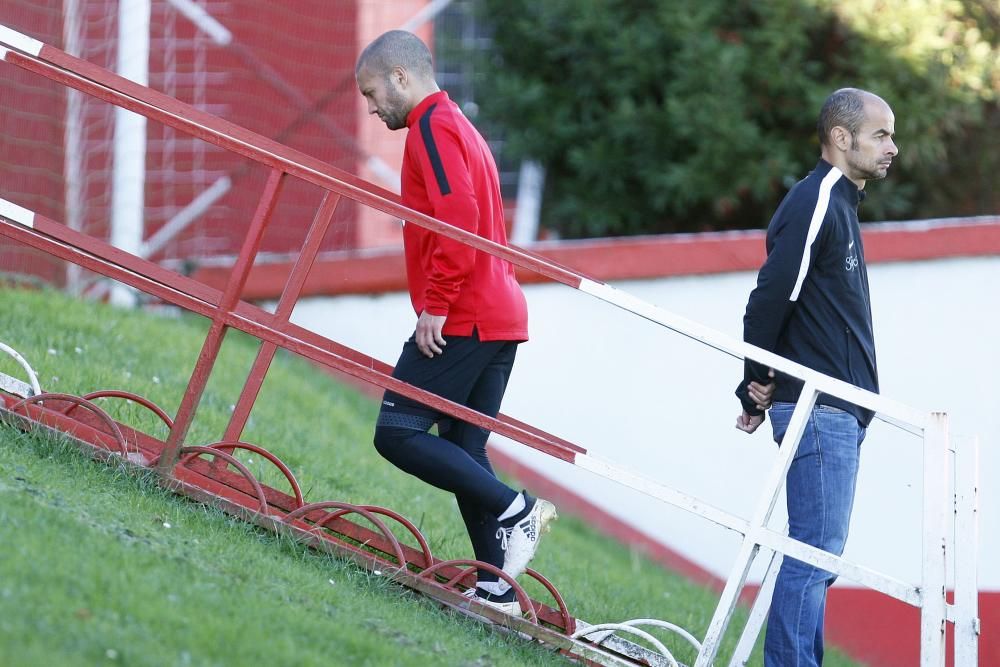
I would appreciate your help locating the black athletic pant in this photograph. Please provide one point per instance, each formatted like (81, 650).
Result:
(472, 373)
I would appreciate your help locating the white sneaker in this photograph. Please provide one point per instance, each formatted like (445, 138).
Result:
(523, 537)
(512, 608)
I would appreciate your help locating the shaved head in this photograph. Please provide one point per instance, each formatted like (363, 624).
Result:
(397, 48)
(856, 132)
(394, 73)
(844, 108)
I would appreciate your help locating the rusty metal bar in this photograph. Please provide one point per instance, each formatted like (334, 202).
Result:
(262, 325)
(217, 332)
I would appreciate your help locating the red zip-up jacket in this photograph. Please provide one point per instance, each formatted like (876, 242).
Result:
(449, 174)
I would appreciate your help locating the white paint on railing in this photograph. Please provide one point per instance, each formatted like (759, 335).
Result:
(771, 488)
(740, 349)
(936, 508)
(20, 215)
(868, 577)
(20, 41)
(758, 614)
(966, 551)
(659, 491)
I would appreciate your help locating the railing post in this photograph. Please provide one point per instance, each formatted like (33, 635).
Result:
(933, 607)
(213, 341)
(289, 296)
(966, 552)
(748, 549)
(758, 613)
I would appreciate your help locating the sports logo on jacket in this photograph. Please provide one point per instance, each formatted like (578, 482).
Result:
(851, 261)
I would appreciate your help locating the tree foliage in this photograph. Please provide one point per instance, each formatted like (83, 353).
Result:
(659, 115)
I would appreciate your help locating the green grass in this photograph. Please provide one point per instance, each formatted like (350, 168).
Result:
(99, 566)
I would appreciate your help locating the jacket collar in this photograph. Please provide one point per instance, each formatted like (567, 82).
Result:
(426, 103)
(844, 185)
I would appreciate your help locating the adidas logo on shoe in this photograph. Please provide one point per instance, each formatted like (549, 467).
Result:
(524, 535)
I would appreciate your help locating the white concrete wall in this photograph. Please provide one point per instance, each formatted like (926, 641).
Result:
(663, 405)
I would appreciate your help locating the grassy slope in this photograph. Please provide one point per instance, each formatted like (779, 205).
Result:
(91, 574)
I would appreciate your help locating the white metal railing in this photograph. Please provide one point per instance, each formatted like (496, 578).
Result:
(939, 503)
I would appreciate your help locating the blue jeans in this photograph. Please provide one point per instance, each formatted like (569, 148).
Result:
(820, 496)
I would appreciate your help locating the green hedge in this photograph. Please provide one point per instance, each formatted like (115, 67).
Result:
(663, 116)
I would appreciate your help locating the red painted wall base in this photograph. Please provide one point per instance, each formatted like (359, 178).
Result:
(886, 632)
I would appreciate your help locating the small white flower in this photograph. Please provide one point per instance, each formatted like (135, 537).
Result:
(166, 524)
(52, 350)
(332, 582)
(378, 572)
(78, 350)
(112, 654)
(156, 380)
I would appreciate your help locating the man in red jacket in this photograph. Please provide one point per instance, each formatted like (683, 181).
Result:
(471, 313)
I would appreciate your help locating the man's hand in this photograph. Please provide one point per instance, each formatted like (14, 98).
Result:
(761, 394)
(428, 333)
(749, 423)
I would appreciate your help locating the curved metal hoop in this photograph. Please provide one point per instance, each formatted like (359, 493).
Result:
(406, 523)
(32, 378)
(233, 461)
(229, 445)
(569, 623)
(103, 416)
(522, 597)
(129, 396)
(348, 508)
(623, 627)
(655, 622)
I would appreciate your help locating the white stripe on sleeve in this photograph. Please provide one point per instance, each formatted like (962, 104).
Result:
(822, 203)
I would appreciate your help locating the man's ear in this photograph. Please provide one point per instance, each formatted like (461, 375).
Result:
(400, 76)
(840, 137)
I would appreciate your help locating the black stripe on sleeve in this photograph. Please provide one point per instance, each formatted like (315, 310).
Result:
(432, 151)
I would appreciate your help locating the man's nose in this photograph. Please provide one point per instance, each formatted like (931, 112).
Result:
(893, 148)
(372, 108)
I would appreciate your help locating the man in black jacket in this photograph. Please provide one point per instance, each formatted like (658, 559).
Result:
(811, 305)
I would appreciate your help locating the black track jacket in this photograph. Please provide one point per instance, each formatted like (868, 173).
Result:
(811, 303)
